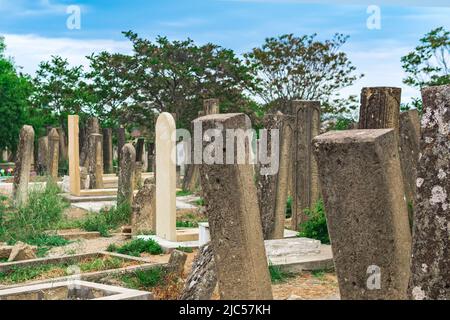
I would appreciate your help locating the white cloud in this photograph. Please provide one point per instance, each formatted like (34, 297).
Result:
(428, 3)
(29, 50)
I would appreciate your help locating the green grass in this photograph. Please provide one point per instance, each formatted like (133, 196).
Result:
(183, 193)
(277, 275)
(136, 247)
(3, 260)
(27, 273)
(289, 207)
(142, 279)
(107, 220)
(186, 224)
(185, 249)
(45, 242)
(200, 202)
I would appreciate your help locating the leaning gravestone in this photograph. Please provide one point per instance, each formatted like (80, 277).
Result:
(53, 154)
(273, 186)
(233, 214)
(366, 212)
(430, 265)
(23, 165)
(126, 176)
(143, 218)
(202, 280)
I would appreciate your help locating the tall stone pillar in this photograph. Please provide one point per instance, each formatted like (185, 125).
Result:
(120, 142)
(92, 127)
(306, 182)
(367, 217)
(234, 219)
(165, 177)
(62, 144)
(430, 265)
(126, 175)
(74, 156)
(273, 188)
(53, 154)
(23, 165)
(140, 149)
(107, 151)
(95, 157)
(380, 108)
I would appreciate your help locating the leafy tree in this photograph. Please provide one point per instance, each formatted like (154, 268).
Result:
(61, 89)
(429, 63)
(290, 67)
(14, 92)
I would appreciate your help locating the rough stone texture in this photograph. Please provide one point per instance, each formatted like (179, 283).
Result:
(380, 108)
(430, 265)
(202, 280)
(140, 149)
(234, 219)
(5, 251)
(74, 155)
(138, 166)
(126, 175)
(107, 151)
(22, 251)
(53, 154)
(409, 150)
(84, 178)
(366, 211)
(144, 209)
(62, 144)
(42, 158)
(151, 157)
(95, 161)
(306, 182)
(23, 165)
(165, 178)
(211, 106)
(120, 142)
(273, 188)
(92, 127)
(176, 262)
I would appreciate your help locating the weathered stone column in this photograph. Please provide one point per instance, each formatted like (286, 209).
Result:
(74, 156)
(233, 214)
(126, 175)
(95, 157)
(430, 265)
(120, 142)
(211, 106)
(62, 144)
(140, 149)
(165, 177)
(273, 188)
(306, 181)
(409, 151)
(92, 127)
(23, 165)
(143, 216)
(367, 217)
(151, 157)
(138, 174)
(107, 151)
(53, 154)
(380, 108)
(42, 158)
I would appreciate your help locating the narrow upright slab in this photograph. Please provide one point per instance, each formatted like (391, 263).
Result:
(273, 188)
(409, 151)
(430, 266)
(366, 212)
(306, 181)
(74, 156)
(62, 144)
(107, 151)
(92, 127)
(95, 158)
(126, 175)
(42, 159)
(120, 142)
(53, 154)
(166, 177)
(234, 219)
(23, 165)
(380, 108)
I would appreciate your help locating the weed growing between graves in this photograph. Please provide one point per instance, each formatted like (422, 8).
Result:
(107, 219)
(289, 207)
(183, 193)
(43, 211)
(186, 224)
(316, 225)
(136, 247)
(277, 275)
(200, 202)
(185, 249)
(48, 271)
(45, 242)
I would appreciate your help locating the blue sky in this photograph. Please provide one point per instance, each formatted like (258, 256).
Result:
(35, 30)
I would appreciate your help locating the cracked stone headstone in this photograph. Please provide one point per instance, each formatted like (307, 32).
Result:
(430, 266)
(366, 212)
(23, 165)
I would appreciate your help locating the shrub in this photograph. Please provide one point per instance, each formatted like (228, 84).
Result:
(107, 219)
(183, 193)
(316, 225)
(342, 124)
(137, 246)
(277, 275)
(289, 207)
